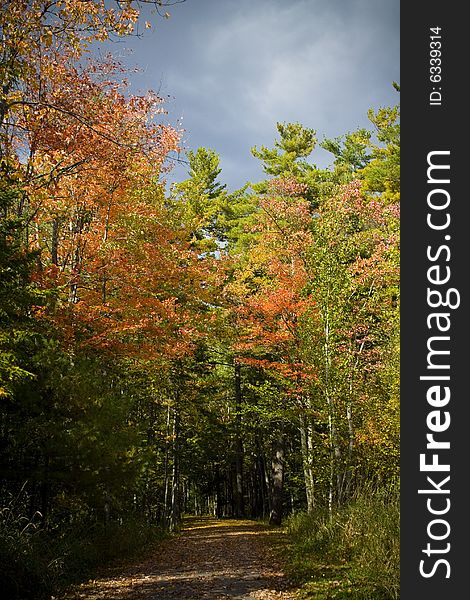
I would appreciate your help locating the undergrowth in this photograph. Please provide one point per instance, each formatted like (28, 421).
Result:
(352, 553)
(37, 564)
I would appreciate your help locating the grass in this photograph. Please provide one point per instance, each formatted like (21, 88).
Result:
(353, 553)
(37, 564)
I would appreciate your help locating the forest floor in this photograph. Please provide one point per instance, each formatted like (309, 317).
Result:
(209, 559)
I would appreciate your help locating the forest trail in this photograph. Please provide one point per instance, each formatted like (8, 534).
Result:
(209, 560)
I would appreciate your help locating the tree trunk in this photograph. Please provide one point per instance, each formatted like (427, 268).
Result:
(175, 512)
(55, 242)
(277, 465)
(239, 500)
(166, 507)
(219, 502)
(306, 444)
(261, 508)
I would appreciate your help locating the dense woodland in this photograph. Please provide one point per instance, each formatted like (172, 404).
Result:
(182, 349)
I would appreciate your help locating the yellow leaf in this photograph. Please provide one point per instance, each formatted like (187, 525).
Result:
(47, 38)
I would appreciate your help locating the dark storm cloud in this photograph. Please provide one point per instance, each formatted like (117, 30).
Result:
(235, 68)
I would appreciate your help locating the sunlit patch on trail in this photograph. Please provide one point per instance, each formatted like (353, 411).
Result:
(209, 560)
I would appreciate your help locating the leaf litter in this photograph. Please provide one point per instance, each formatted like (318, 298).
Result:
(209, 559)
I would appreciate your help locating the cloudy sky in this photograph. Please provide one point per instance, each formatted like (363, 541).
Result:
(233, 68)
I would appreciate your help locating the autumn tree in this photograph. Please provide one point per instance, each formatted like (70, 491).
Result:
(305, 308)
(84, 160)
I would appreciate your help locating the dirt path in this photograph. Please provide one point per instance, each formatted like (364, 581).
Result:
(209, 560)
